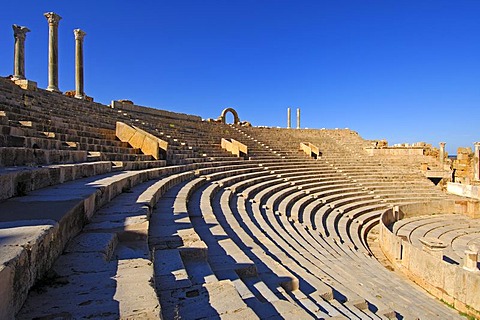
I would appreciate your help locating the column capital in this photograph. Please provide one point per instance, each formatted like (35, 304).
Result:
(442, 144)
(79, 34)
(477, 144)
(20, 32)
(53, 18)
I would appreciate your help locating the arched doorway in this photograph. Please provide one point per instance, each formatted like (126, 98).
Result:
(223, 118)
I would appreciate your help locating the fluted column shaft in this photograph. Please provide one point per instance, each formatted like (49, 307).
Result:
(53, 21)
(79, 90)
(19, 33)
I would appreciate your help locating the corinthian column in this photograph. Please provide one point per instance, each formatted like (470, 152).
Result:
(19, 33)
(79, 35)
(53, 20)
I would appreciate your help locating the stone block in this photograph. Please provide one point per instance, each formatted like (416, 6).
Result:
(124, 132)
(137, 138)
(26, 84)
(472, 282)
(7, 309)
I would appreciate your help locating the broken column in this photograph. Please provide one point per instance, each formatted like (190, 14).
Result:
(298, 118)
(476, 162)
(442, 154)
(53, 21)
(79, 91)
(19, 33)
(289, 118)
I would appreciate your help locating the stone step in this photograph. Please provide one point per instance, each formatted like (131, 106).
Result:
(216, 299)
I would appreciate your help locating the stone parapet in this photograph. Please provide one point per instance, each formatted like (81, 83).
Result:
(464, 190)
(163, 113)
(395, 151)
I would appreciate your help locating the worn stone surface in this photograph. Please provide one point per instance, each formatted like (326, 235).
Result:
(143, 140)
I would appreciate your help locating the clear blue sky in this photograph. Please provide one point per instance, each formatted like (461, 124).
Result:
(404, 70)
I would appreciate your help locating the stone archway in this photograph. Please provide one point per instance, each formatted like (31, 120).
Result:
(223, 116)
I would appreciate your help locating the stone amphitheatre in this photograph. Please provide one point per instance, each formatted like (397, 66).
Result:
(123, 211)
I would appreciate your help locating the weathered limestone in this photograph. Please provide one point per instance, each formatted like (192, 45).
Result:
(53, 21)
(235, 147)
(137, 138)
(310, 149)
(471, 259)
(476, 162)
(289, 118)
(79, 91)
(298, 118)
(442, 154)
(19, 33)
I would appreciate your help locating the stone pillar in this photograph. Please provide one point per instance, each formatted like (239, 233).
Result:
(289, 118)
(470, 262)
(298, 118)
(396, 212)
(79, 35)
(53, 20)
(19, 33)
(442, 154)
(476, 162)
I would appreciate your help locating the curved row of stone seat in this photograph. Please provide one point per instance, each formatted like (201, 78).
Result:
(271, 216)
(266, 265)
(263, 226)
(18, 181)
(127, 219)
(210, 231)
(456, 231)
(267, 192)
(29, 224)
(214, 187)
(28, 228)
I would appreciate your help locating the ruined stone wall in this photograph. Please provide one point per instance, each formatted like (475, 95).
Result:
(463, 166)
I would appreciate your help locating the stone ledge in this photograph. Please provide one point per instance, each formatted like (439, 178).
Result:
(123, 105)
(64, 214)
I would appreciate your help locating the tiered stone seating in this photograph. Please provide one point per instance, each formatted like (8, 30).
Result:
(201, 234)
(40, 128)
(113, 245)
(456, 231)
(253, 231)
(190, 139)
